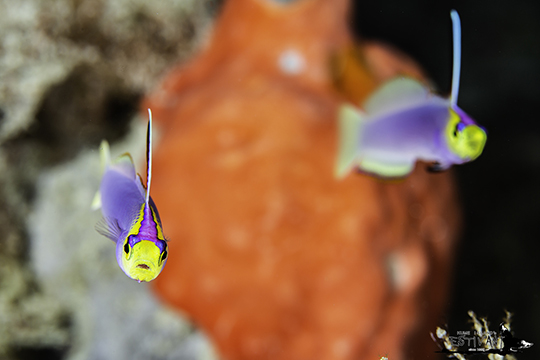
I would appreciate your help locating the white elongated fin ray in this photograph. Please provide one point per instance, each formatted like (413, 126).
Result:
(395, 94)
(148, 157)
(350, 123)
(456, 70)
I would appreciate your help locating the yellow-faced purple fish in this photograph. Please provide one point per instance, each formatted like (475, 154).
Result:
(404, 122)
(130, 217)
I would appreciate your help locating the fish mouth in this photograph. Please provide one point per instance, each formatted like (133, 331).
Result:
(143, 262)
(144, 271)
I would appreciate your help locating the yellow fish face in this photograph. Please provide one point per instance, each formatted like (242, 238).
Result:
(465, 141)
(144, 260)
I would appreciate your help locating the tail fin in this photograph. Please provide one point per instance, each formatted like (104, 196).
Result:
(96, 201)
(351, 122)
(104, 154)
(105, 157)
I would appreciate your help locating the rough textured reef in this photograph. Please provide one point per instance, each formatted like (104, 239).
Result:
(269, 254)
(71, 73)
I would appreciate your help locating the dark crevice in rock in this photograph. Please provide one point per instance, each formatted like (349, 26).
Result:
(75, 114)
(42, 353)
(114, 55)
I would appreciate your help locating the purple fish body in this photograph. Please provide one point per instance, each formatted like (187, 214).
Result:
(416, 134)
(130, 216)
(404, 122)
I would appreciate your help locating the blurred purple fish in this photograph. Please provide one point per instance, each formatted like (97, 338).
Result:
(404, 122)
(130, 217)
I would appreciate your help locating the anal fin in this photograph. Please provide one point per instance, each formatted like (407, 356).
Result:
(386, 170)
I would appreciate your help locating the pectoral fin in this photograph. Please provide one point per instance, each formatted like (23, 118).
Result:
(109, 228)
(438, 167)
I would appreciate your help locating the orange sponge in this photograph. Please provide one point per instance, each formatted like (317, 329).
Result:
(269, 254)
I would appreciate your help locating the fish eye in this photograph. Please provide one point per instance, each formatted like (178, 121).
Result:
(164, 255)
(456, 130)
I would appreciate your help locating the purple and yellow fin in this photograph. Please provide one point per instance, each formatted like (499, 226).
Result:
(350, 124)
(394, 95)
(140, 185)
(124, 165)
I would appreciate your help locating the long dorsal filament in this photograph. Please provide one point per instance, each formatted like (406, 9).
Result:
(456, 30)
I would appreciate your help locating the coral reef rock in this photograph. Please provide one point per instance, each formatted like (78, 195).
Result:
(72, 73)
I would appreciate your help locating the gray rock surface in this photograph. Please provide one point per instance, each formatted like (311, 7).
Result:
(112, 317)
(72, 73)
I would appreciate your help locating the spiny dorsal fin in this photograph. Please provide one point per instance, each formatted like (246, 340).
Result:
(395, 94)
(148, 157)
(124, 164)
